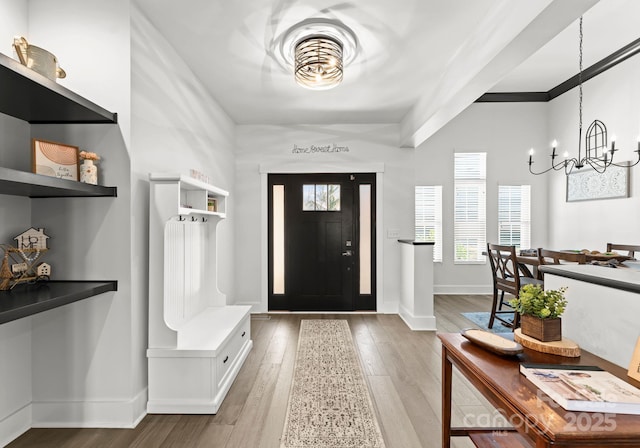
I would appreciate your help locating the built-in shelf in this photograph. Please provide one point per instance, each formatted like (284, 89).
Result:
(32, 97)
(22, 183)
(193, 194)
(29, 299)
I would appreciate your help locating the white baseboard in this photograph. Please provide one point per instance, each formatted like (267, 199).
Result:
(462, 289)
(417, 323)
(90, 414)
(15, 424)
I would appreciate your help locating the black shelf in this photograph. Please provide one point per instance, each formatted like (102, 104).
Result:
(29, 299)
(32, 97)
(22, 183)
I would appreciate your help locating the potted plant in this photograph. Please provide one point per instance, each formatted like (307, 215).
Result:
(540, 312)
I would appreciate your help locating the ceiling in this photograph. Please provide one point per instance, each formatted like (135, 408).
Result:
(419, 62)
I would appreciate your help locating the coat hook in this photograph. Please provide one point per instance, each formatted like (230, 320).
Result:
(180, 218)
(204, 219)
(193, 218)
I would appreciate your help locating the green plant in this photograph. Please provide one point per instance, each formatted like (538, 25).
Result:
(534, 301)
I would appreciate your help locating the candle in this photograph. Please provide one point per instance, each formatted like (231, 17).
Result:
(613, 143)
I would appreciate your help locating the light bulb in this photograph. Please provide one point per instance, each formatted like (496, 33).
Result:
(531, 152)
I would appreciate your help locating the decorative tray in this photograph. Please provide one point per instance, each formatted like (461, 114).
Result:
(601, 256)
(492, 342)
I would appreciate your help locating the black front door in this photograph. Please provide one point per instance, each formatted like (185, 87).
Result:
(314, 242)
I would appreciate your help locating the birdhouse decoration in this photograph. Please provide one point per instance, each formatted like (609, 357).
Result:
(32, 239)
(43, 271)
(20, 263)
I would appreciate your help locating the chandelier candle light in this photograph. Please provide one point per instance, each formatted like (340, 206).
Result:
(597, 153)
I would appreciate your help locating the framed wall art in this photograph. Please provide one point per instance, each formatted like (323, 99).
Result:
(55, 159)
(587, 184)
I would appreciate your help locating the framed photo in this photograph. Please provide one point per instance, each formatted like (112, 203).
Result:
(587, 184)
(634, 366)
(55, 159)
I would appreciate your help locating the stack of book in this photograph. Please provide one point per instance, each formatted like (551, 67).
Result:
(584, 388)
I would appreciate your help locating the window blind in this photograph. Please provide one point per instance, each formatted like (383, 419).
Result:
(428, 217)
(469, 227)
(514, 215)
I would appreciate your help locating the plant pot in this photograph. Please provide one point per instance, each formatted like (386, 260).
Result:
(545, 330)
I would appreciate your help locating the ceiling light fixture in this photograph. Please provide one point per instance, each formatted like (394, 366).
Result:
(317, 51)
(597, 153)
(318, 62)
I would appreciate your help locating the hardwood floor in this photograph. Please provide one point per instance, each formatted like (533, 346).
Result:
(403, 368)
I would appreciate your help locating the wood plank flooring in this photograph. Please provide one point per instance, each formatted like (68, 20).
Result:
(402, 367)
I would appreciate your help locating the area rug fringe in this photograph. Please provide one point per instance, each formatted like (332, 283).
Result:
(329, 403)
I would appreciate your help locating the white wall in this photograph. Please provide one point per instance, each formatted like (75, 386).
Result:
(271, 146)
(78, 365)
(15, 216)
(177, 126)
(505, 131)
(612, 97)
(83, 363)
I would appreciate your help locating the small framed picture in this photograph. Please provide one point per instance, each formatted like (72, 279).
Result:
(55, 159)
(634, 366)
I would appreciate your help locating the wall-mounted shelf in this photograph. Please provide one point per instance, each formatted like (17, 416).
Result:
(22, 183)
(193, 194)
(28, 299)
(31, 97)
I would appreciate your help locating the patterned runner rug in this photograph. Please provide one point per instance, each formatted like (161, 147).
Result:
(329, 404)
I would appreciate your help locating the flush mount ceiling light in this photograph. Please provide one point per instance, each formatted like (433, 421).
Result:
(318, 50)
(318, 62)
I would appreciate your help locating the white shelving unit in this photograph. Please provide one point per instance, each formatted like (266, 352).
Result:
(197, 343)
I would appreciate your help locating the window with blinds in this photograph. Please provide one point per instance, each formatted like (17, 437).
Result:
(469, 220)
(428, 219)
(514, 215)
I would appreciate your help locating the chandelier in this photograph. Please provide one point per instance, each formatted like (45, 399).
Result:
(597, 155)
(318, 62)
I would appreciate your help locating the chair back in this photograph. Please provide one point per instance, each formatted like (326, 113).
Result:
(546, 256)
(630, 248)
(504, 268)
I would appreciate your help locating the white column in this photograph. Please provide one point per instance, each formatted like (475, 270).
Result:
(416, 284)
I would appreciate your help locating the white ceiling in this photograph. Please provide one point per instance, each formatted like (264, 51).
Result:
(419, 62)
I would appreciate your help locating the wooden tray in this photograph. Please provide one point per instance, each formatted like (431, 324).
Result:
(602, 256)
(565, 347)
(492, 342)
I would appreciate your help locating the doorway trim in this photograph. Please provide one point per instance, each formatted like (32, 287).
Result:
(314, 167)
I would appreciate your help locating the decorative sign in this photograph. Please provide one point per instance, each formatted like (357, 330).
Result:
(55, 159)
(588, 184)
(318, 148)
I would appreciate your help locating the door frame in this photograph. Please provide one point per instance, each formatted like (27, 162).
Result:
(350, 298)
(314, 168)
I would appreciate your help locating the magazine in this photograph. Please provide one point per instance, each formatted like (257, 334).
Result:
(584, 388)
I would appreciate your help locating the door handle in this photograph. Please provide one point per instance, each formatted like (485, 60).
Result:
(347, 253)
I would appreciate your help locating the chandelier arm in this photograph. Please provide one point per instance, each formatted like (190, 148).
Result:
(627, 164)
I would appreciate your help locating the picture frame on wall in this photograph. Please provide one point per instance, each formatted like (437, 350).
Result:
(55, 159)
(587, 184)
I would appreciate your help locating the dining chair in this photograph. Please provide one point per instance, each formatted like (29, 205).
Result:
(630, 248)
(507, 278)
(546, 256)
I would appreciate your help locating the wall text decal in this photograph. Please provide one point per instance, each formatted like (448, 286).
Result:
(318, 148)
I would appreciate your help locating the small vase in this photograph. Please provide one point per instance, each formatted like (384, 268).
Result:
(88, 172)
(545, 330)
